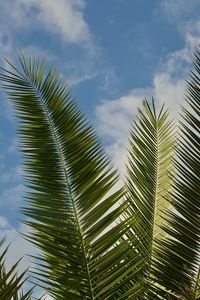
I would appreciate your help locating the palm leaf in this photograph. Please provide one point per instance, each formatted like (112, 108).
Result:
(178, 269)
(11, 283)
(74, 221)
(150, 150)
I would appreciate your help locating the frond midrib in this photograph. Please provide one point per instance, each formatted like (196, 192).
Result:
(68, 184)
(156, 190)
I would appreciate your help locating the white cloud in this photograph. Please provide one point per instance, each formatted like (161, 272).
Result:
(114, 121)
(114, 117)
(62, 17)
(168, 86)
(170, 91)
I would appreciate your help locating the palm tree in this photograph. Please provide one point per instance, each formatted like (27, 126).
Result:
(97, 241)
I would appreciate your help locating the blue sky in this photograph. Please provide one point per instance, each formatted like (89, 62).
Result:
(113, 53)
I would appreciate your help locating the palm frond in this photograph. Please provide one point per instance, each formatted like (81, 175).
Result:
(74, 222)
(150, 150)
(11, 283)
(178, 255)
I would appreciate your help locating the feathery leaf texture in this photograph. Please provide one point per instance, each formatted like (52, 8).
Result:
(150, 152)
(68, 176)
(98, 242)
(178, 266)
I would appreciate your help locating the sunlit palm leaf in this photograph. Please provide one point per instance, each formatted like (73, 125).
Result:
(150, 151)
(69, 177)
(178, 268)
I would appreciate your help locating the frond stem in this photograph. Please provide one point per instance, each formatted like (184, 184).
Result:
(40, 96)
(156, 191)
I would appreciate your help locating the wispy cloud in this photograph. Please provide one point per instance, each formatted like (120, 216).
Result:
(179, 10)
(110, 82)
(168, 86)
(79, 71)
(185, 16)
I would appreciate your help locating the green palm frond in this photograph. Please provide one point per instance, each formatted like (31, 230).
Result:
(178, 269)
(97, 241)
(11, 283)
(77, 225)
(150, 151)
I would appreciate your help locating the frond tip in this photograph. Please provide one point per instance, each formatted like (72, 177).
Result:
(11, 283)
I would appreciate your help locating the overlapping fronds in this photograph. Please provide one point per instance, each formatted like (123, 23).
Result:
(78, 227)
(139, 242)
(150, 151)
(178, 268)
